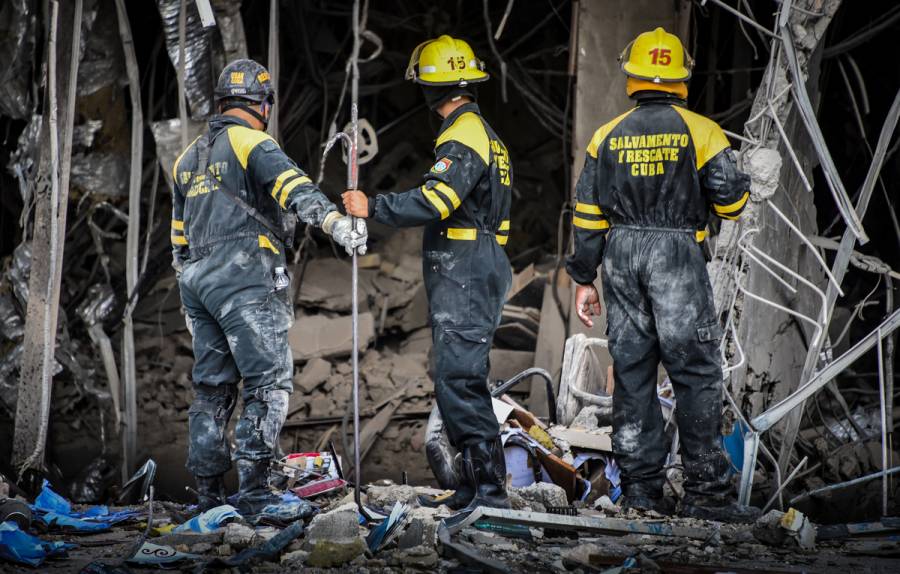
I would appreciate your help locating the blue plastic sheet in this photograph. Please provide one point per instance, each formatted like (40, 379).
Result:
(210, 520)
(54, 510)
(734, 447)
(23, 548)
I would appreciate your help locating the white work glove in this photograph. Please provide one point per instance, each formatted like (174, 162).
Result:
(340, 228)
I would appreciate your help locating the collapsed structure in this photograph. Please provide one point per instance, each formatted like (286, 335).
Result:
(100, 319)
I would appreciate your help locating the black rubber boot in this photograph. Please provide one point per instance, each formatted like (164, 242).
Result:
(210, 491)
(728, 512)
(662, 505)
(485, 467)
(460, 497)
(253, 489)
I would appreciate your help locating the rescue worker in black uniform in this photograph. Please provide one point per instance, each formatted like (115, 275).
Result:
(234, 190)
(650, 180)
(463, 202)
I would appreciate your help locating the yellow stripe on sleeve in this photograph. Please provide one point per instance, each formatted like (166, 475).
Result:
(731, 208)
(449, 193)
(589, 223)
(504, 225)
(179, 240)
(281, 179)
(282, 201)
(502, 239)
(178, 225)
(588, 208)
(432, 197)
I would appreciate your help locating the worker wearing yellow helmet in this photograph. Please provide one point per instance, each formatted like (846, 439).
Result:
(463, 202)
(651, 179)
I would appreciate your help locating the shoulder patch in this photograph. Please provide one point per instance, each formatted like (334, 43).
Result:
(469, 131)
(441, 165)
(268, 145)
(244, 140)
(600, 135)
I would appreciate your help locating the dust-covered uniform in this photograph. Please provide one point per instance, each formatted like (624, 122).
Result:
(464, 204)
(226, 261)
(651, 177)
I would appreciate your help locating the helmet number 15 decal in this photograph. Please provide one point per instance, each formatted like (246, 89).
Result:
(457, 63)
(663, 56)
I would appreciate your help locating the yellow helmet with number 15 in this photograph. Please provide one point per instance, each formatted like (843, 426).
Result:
(657, 57)
(445, 61)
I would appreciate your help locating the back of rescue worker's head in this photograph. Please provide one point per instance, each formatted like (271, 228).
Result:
(656, 61)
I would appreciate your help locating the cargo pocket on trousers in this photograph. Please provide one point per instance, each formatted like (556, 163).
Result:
(462, 352)
(709, 332)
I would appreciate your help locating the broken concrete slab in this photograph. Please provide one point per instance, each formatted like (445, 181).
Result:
(333, 538)
(421, 557)
(318, 287)
(387, 496)
(319, 336)
(314, 373)
(597, 440)
(238, 535)
(541, 495)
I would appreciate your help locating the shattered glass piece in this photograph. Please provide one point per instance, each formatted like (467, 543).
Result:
(23, 161)
(23, 548)
(167, 135)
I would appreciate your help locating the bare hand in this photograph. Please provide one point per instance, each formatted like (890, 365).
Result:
(356, 203)
(587, 303)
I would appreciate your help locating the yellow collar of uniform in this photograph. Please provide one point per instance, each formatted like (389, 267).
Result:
(679, 89)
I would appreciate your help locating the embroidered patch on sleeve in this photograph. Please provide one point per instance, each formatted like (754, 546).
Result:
(442, 165)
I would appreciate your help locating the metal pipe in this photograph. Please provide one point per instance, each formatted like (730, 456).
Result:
(784, 484)
(741, 16)
(884, 433)
(842, 485)
(767, 419)
(534, 371)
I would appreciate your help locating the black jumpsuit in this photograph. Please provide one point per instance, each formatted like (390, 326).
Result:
(463, 202)
(650, 179)
(227, 260)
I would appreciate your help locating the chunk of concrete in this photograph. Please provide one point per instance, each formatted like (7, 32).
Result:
(543, 493)
(387, 496)
(333, 553)
(314, 373)
(422, 529)
(319, 336)
(238, 535)
(421, 557)
(340, 523)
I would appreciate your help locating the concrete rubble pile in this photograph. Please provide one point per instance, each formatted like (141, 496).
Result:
(559, 521)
